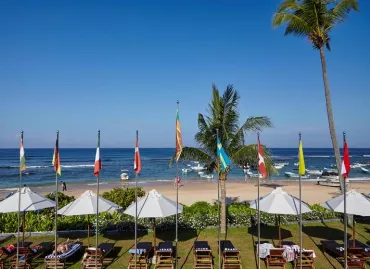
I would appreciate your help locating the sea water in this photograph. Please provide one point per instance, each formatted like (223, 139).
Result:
(78, 165)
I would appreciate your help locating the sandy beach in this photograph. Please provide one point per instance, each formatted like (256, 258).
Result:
(194, 190)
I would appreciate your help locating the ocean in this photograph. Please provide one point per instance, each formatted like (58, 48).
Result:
(78, 165)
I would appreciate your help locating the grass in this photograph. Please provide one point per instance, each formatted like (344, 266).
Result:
(243, 238)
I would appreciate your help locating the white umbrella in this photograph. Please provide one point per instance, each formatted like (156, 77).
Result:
(30, 201)
(356, 203)
(86, 205)
(153, 205)
(281, 203)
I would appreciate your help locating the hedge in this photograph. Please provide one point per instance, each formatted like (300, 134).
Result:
(197, 216)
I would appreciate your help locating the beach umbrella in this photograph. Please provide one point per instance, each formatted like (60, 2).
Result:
(153, 205)
(86, 205)
(356, 203)
(30, 201)
(281, 203)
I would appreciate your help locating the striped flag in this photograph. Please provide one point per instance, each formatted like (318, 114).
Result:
(346, 167)
(22, 157)
(56, 158)
(302, 166)
(261, 161)
(178, 137)
(137, 162)
(98, 165)
(224, 159)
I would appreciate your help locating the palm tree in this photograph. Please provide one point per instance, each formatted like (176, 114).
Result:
(315, 19)
(224, 117)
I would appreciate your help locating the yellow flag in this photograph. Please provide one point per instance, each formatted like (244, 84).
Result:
(302, 167)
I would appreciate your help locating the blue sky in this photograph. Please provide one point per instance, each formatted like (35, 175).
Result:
(118, 66)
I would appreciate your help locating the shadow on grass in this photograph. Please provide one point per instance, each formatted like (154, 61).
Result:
(183, 235)
(190, 251)
(255, 242)
(124, 235)
(270, 232)
(322, 232)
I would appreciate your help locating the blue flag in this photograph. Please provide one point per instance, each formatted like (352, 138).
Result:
(224, 159)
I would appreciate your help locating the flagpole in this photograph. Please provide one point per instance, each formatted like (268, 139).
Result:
(19, 202)
(258, 209)
(177, 196)
(137, 138)
(56, 198)
(97, 208)
(219, 216)
(300, 205)
(345, 210)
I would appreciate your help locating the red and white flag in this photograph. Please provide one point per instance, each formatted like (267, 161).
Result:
(177, 180)
(137, 162)
(346, 167)
(98, 164)
(261, 161)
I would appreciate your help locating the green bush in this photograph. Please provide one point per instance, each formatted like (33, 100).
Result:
(123, 197)
(63, 199)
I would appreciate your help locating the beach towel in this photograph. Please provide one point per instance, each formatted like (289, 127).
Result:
(138, 251)
(264, 249)
(74, 248)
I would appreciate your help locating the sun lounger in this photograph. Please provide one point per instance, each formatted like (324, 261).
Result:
(338, 250)
(94, 258)
(359, 245)
(61, 258)
(307, 260)
(230, 255)
(164, 254)
(276, 258)
(143, 250)
(202, 255)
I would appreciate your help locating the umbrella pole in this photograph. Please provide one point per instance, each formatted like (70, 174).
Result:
(354, 232)
(88, 230)
(155, 236)
(279, 231)
(23, 226)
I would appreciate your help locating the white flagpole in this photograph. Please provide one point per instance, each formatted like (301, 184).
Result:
(345, 209)
(177, 197)
(258, 208)
(219, 202)
(19, 204)
(56, 200)
(137, 138)
(300, 206)
(97, 209)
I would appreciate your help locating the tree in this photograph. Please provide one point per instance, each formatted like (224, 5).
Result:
(314, 19)
(223, 115)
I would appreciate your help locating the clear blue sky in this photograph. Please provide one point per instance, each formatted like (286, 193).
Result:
(118, 66)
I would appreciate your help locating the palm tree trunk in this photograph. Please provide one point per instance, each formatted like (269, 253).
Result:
(329, 111)
(223, 205)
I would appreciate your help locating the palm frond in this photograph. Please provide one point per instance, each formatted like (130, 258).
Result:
(256, 124)
(248, 155)
(342, 9)
(287, 6)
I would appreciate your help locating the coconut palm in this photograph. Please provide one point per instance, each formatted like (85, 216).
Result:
(224, 117)
(314, 19)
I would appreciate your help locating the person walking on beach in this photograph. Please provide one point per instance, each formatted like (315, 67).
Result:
(64, 186)
(245, 170)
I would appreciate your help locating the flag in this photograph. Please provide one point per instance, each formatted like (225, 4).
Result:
(177, 180)
(22, 157)
(345, 163)
(261, 161)
(178, 137)
(302, 166)
(98, 165)
(56, 158)
(224, 159)
(137, 162)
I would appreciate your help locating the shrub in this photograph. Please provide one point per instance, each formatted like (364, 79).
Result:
(123, 197)
(63, 199)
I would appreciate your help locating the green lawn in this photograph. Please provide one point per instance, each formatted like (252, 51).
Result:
(243, 238)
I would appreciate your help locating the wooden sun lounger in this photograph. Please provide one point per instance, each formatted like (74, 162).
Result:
(94, 258)
(164, 254)
(359, 245)
(335, 248)
(202, 255)
(5, 255)
(61, 261)
(230, 255)
(143, 249)
(307, 260)
(276, 258)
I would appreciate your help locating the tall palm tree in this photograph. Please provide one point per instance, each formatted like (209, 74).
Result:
(224, 117)
(314, 19)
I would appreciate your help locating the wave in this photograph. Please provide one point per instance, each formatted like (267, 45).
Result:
(38, 166)
(77, 165)
(366, 155)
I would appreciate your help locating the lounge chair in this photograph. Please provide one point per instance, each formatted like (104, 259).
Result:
(276, 258)
(164, 254)
(307, 260)
(202, 255)
(230, 255)
(94, 258)
(359, 245)
(75, 247)
(143, 250)
(338, 251)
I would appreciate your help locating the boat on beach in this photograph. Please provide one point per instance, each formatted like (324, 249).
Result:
(365, 170)
(186, 170)
(314, 172)
(329, 177)
(294, 175)
(198, 167)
